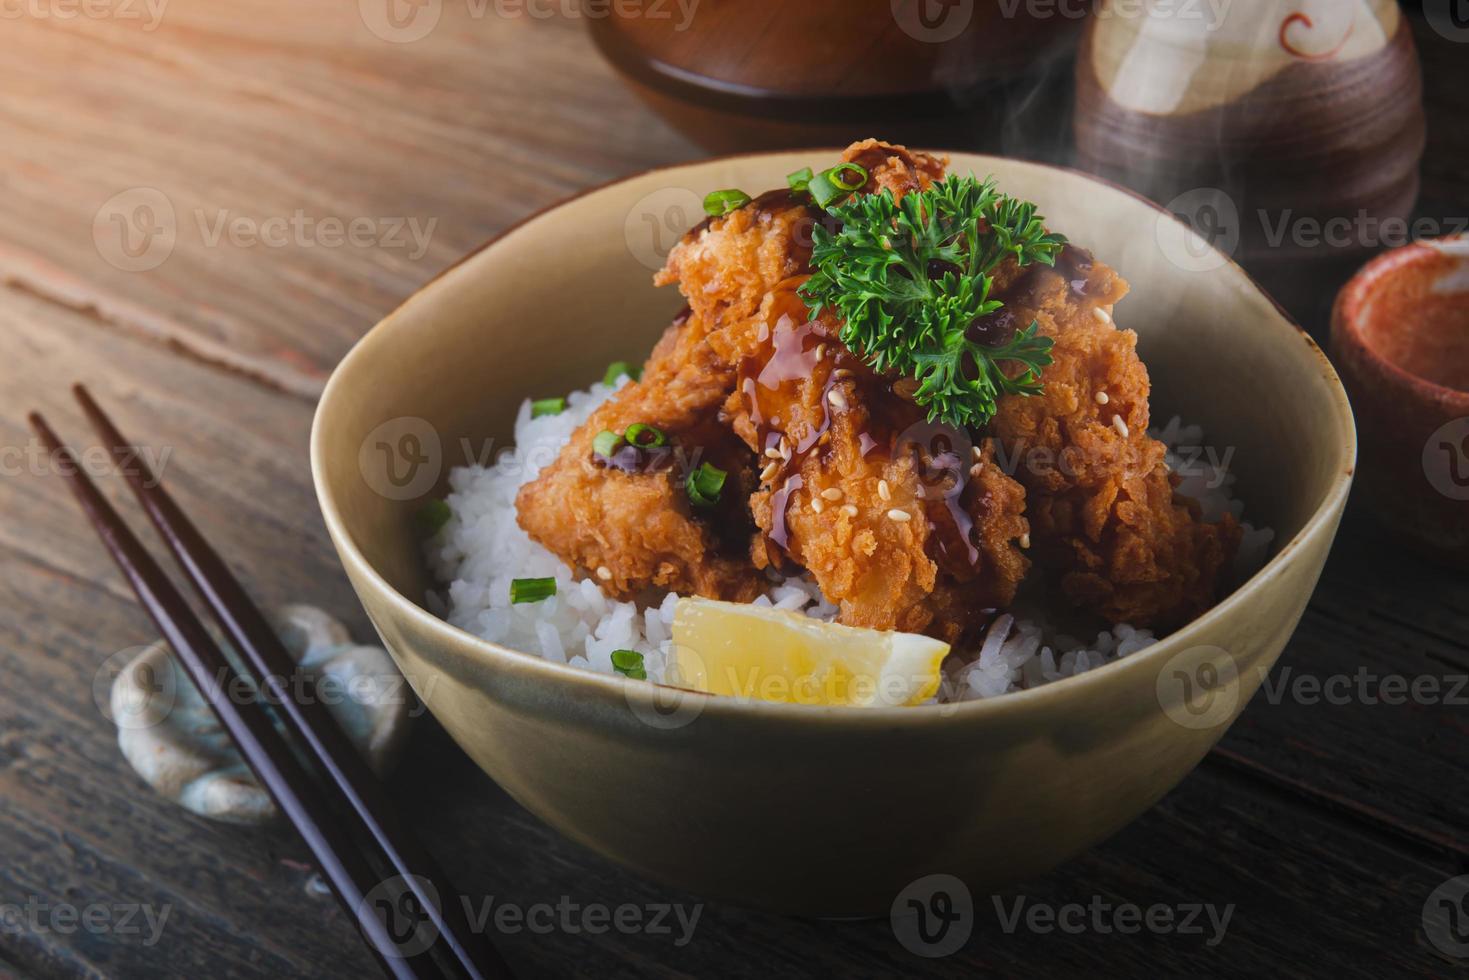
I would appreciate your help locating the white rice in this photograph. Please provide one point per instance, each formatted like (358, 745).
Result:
(482, 548)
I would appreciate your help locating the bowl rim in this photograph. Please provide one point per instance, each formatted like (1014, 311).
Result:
(645, 695)
(1346, 313)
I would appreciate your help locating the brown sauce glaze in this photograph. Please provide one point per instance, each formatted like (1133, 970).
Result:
(793, 371)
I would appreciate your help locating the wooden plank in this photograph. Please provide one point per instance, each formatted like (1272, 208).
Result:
(271, 110)
(1339, 720)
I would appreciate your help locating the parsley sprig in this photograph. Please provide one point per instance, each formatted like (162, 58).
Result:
(910, 277)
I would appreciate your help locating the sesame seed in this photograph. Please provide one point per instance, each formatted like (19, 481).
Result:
(773, 453)
(978, 454)
(837, 399)
(841, 373)
(771, 469)
(1025, 540)
(604, 573)
(832, 493)
(1120, 426)
(1102, 314)
(976, 469)
(820, 351)
(817, 505)
(901, 516)
(883, 491)
(1102, 397)
(850, 510)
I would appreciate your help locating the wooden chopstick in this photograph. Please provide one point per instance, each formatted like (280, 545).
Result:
(252, 634)
(249, 726)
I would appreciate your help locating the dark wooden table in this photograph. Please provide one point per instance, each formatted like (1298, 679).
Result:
(1325, 822)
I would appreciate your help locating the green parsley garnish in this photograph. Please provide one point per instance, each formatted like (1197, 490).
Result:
(547, 406)
(617, 369)
(910, 278)
(629, 663)
(433, 515)
(704, 485)
(532, 589)
(719, 203)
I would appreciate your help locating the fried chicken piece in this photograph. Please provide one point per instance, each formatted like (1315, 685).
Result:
(637, 531)
(1101, 499)
(725, 266)
(899, 521)
(893, 527)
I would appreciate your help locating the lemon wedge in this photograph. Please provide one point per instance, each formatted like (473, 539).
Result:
(768, 654)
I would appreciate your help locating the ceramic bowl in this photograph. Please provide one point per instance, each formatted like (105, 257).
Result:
(792, 808)
(1400, 332)
(1289, 130)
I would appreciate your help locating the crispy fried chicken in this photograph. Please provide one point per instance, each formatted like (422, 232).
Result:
(632, 525)
(1100, 498)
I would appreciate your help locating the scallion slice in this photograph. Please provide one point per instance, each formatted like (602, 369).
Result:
(645, 436)
(433, 515)
(704, 485)
(799, 180)
(617, 369)
(532, 589)
(629, 663)
(719, 203)
(547, 406)
(832, 185)
(606, 442)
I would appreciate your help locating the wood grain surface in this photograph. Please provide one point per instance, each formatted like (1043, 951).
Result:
(1325, 825)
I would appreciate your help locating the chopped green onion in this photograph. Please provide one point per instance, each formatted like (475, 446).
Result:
(848, 176)
(629, 663)
(719, 203)
(617, 369)
(645, 436)
(434, 515)
(532, 589)
(547, 406)
(829, 186)
(704, 485)
(606, 442)
(800, 179)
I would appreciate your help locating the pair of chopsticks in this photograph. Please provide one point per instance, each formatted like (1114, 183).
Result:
(377, 870)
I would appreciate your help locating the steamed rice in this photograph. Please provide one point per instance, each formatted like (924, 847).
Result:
(482, 548)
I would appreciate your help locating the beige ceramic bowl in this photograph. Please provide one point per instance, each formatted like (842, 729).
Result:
(791, 808)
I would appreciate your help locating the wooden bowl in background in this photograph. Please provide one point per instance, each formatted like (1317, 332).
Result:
(741, 75)
(1400, 337)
